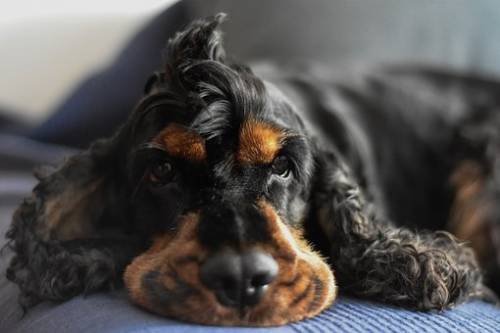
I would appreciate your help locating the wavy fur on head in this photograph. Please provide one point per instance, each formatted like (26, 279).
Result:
(216, 158)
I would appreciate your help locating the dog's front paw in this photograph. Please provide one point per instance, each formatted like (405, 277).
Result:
(424, 272)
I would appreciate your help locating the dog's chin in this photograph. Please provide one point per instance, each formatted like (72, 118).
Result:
(305, 296)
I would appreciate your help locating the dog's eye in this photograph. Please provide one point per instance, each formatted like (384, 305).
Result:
(282, 166)
(161, 173)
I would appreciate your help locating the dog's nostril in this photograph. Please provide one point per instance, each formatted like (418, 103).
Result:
(239, 280)
(228, 283)
(262, 279)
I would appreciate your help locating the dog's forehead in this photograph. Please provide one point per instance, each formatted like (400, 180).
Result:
(254, 137)
(256, 141)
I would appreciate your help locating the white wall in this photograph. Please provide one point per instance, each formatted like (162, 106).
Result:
(47, 46)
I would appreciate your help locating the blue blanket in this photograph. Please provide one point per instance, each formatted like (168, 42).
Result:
(113, 313)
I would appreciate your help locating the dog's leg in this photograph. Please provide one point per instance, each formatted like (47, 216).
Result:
(374, 259)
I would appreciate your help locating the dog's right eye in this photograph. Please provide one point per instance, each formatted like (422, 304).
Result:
(281, 166)
(161, 173)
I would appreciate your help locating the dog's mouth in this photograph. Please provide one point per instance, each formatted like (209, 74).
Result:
(265, 284)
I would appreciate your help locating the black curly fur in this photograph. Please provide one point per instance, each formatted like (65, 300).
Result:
(374, 259)
(53, 270)
(48, 268)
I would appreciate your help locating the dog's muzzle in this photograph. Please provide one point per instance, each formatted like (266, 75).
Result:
(232, 265)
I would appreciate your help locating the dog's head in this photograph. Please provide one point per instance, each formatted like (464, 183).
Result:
(215, 169)
(221, 170)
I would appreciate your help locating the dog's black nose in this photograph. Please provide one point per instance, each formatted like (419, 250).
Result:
(239, 280)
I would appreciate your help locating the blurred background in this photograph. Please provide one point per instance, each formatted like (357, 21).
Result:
(71, 71)
(48, 46)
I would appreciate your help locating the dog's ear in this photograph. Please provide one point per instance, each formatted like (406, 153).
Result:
(338, 203)
(80, 196)
(68, 236)
(373, 258)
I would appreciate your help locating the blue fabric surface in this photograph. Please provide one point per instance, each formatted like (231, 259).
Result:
(350, 315)
(113, 313)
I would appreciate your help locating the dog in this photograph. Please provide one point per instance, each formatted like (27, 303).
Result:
(227, 198)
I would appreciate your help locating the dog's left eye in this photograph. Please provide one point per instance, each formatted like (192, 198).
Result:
(161, 173)
(282, 166)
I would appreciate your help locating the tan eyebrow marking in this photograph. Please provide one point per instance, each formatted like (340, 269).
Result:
(259, 142)
(181, 142)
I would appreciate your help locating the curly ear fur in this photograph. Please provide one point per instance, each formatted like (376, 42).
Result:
(64, 236)
(374, 259)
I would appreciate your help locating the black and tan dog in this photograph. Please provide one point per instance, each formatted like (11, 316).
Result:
(215, 199)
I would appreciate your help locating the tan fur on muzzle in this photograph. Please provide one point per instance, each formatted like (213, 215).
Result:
(304, 287)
